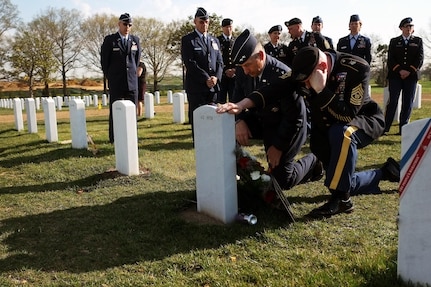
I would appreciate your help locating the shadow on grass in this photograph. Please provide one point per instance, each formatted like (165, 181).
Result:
(128, 230)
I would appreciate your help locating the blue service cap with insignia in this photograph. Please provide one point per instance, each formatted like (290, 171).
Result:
(275, 28)
(125, 18)
(354, 18)
(293, 21)
(317, 19)
(406, 21)
(226, 22)
(304, 62)
(201, 13)
(243, 47)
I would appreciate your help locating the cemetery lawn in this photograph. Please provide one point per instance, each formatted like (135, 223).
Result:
(68, 219)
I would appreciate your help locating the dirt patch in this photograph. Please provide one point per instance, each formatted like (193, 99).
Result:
(191, 215)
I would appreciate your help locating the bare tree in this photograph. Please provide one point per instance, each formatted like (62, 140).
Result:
(63, 27)
(8, 16)
(96, 28)
(156, 47)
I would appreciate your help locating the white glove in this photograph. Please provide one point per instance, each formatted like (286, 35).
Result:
(318, 80)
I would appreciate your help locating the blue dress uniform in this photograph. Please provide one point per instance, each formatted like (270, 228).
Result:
(362, 44)
(281, 123)
(403, 54)
(343, 119)
(119, 64)
(227, 84)
(202, 59)
(362, 47)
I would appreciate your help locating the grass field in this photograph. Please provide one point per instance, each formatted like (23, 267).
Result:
(66, 219)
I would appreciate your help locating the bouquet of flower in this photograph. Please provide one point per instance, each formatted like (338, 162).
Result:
(254, 183)
(256, 186)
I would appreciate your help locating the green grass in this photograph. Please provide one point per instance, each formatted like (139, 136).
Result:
(66, 221)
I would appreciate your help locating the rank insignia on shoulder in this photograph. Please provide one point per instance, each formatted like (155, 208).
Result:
(286, 75)
(275, 109)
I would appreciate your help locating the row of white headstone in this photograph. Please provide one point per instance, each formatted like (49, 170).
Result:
(49, 108)
(88, 100)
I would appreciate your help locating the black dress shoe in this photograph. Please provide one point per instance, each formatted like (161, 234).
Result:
(332, 207)
(391, 170)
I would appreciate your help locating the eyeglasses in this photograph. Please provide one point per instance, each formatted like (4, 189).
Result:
(125, 24)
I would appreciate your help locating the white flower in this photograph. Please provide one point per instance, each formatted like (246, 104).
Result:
(265, 177)
(255, 175)
(238, 177)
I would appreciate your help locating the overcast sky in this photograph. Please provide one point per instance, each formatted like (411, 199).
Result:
(380, 17)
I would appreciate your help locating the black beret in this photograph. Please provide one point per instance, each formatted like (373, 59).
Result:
(243, 47)
(125, 18)
(354, 18)
(275, 28)
(317, 19)
(201, 13)
(406, 21)
(226, 22)
(293, 21)
(304, 62)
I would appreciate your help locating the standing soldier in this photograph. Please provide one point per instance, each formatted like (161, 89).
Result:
(227, 83)
(302, 38)
(355, 43)
(120, 54)
(274, 47)
(405, 58)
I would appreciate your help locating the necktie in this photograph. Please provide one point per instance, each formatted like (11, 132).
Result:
(125, 42)
(352, 42)
(406, 41)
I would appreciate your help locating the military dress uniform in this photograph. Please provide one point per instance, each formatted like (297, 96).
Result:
(344, 118)
(281, 123)
(403, 54)
(278, 51)
(227, 84)
(119, 60)
(361, 48)
(202, 59)
(311, 39)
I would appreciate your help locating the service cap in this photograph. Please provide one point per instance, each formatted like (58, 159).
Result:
(243, 47)
(406, 21)
(201, 13)
(125, 18)
(354, 18)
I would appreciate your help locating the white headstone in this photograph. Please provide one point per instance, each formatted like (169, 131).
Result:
(214, 138)
(417, 102)
(157, 97)
(17, 109)
(31, 115)
(169, 96)
(50, 120)
(126, 137)
(414, 225)
(185, 96)
(104, 100)
(59, 103)
(78, 124)
(95, 101)
(149, 105)
(37, 103)
(178, 108)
